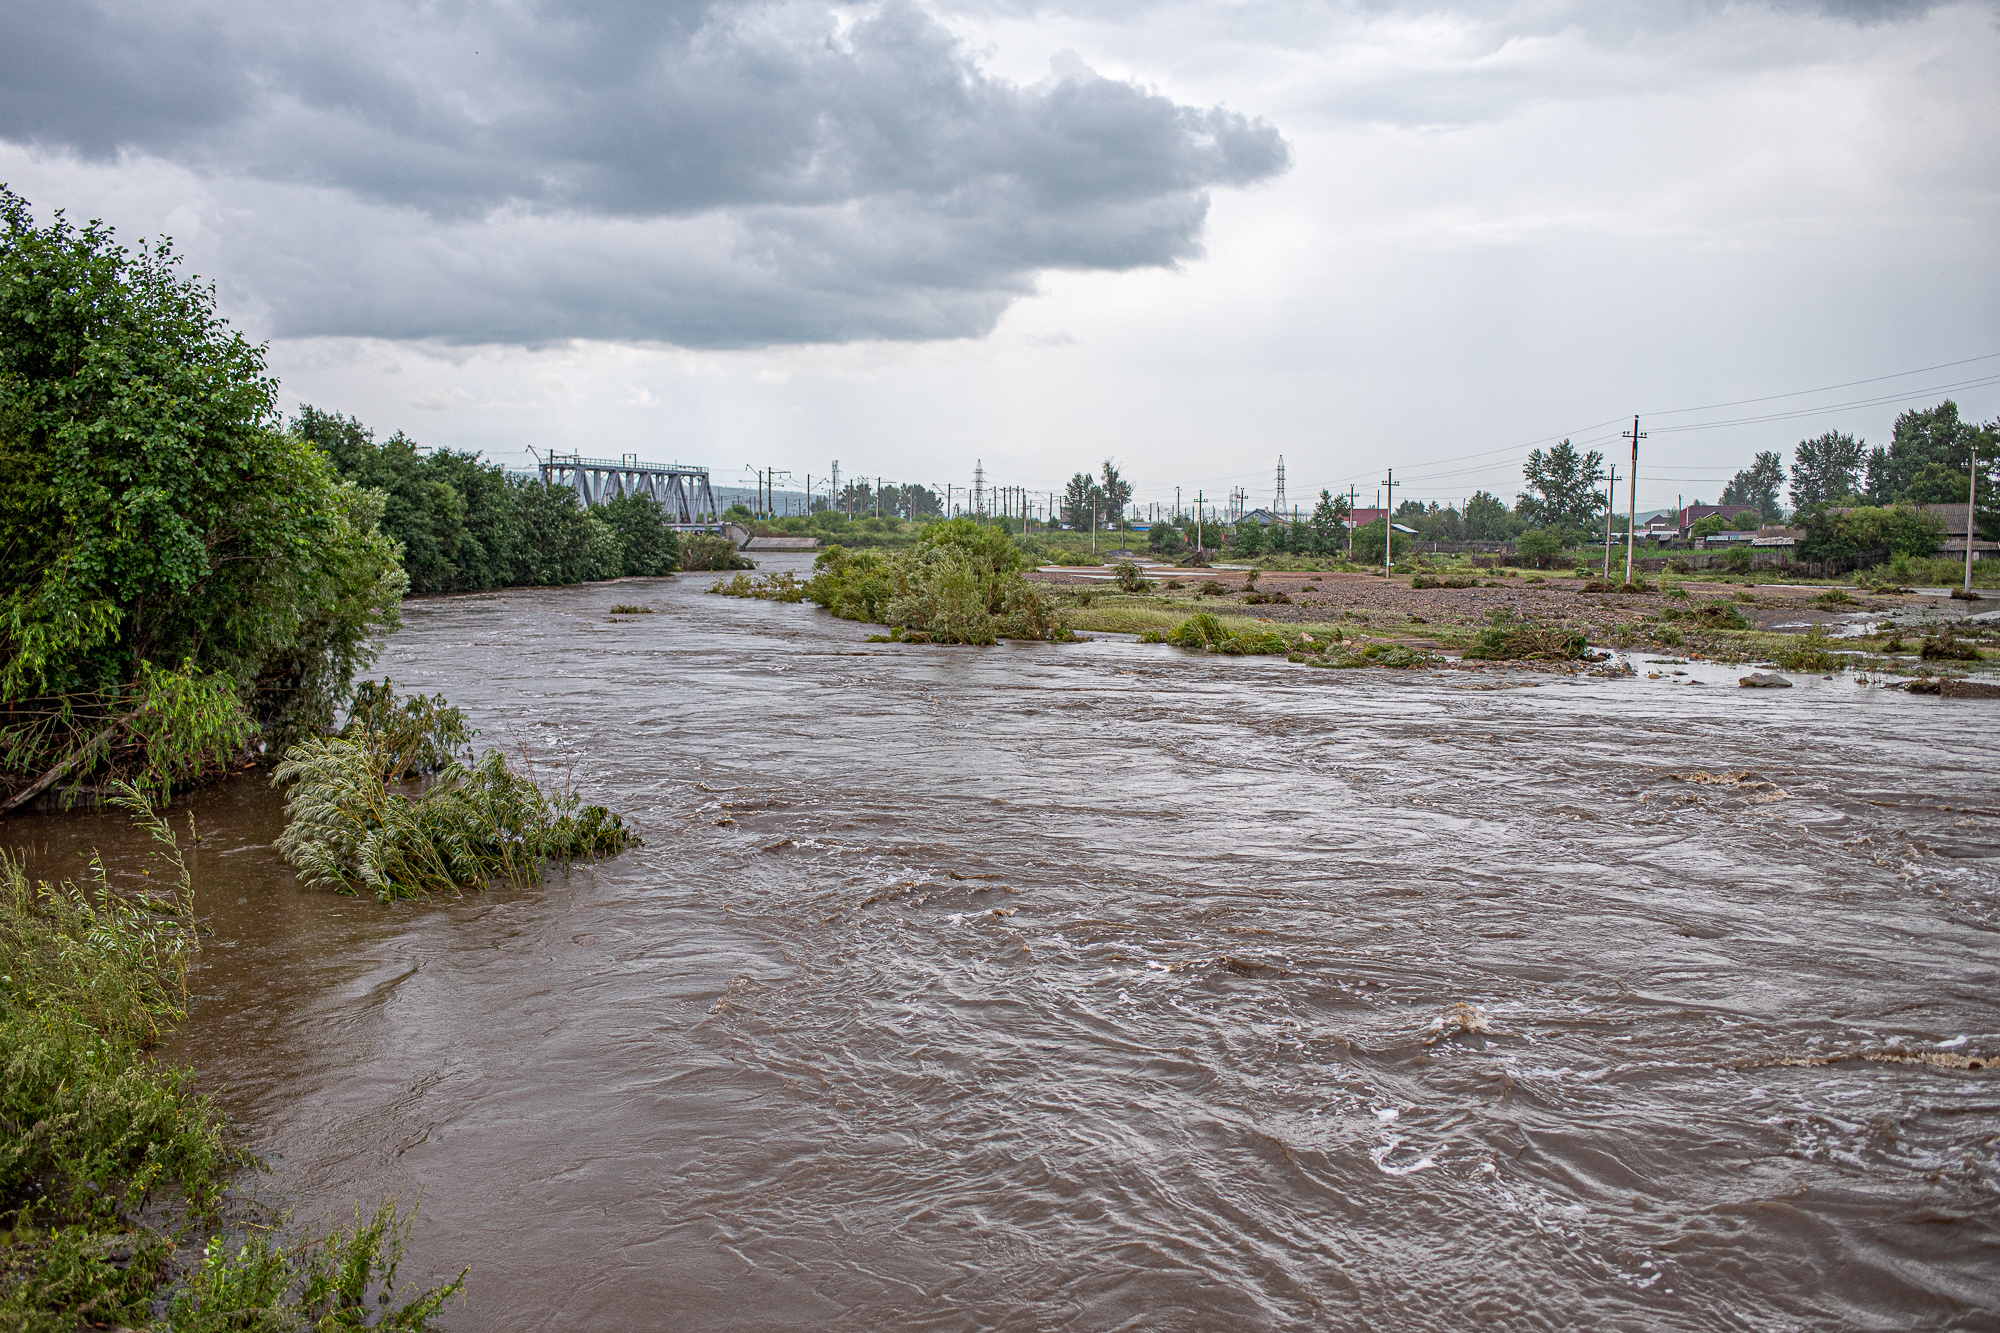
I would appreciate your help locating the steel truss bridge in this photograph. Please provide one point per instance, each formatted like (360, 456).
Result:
(682, 492)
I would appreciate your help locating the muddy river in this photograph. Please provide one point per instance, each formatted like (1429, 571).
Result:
(1101, 987)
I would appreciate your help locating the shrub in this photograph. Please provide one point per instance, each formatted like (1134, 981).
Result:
(1903, 530)
(345, 830)
(711, 551)
(154, 515)
(783, 586)
(1132, 579)
(1267, 599)
(1424, 580)
(1736, 560)
(961, 584)
(1833, 597)
(1540, 547)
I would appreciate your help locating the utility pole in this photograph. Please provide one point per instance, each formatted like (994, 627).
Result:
(1199, 498)
(1350, 525)
(1177, 504)
(1610, 502)
(1632, 511)
(1389, 533)
(1971, 505)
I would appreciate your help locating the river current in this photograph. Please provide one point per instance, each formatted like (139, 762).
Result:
(1100, 986)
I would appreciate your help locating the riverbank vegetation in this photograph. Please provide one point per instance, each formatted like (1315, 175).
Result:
(112, 1163)
(349, 829)
(961, 583)
(464, 525)
(179, 576)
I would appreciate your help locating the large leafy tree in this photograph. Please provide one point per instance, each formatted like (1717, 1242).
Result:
(1931, 458)
(1827, 469)
(1758, 485)
(156, 518)
(1563, 488)
(1487, 519)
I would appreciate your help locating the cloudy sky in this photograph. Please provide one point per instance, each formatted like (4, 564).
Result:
(1194, 237)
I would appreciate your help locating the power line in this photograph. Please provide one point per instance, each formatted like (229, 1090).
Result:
(1800, 393)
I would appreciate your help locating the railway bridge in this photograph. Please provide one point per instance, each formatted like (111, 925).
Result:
(682, 492)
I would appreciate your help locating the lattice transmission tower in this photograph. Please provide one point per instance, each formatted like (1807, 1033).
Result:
(1278, 506)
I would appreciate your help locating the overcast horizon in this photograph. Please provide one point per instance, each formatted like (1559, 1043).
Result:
(918, 238)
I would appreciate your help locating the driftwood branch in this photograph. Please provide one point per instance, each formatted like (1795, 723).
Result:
(83, 752)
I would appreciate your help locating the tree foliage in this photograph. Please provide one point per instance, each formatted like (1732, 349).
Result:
(1836, 534)
(1758, 485)
(1564, 488)
(466, 526)
(1083, 503)
(1487, 519)
(1329, 524)
(961, 584)
(154, 513)
(1826, 469)
(1115, 489)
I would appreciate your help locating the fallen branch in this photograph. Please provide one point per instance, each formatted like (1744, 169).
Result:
(87, 750)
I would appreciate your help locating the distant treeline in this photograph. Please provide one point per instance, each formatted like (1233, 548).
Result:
(465, 525)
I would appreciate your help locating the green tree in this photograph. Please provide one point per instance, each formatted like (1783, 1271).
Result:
(561, 541)
(1116, 493)
(1329, 526)
(1758, 485)
(156, 521)
(1564, 488)
(1248, 539)
(1081, 500)
(1487, 519)
(1851, 534)
(1541, 546)
(1826, 469)
(1368, 542)
(647, 546)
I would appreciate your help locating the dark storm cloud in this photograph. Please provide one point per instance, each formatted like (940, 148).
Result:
(714, 173)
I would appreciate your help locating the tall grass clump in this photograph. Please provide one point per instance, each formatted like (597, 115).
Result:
(1811, 651)
(347, 829)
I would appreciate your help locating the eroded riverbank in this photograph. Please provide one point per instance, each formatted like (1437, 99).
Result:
(1093, 986)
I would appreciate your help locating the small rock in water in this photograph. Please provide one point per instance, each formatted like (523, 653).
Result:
(1765, 680)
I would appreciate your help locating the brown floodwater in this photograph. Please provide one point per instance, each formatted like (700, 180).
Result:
(1101, 987)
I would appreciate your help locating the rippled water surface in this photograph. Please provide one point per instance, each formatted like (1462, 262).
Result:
(1097, 987)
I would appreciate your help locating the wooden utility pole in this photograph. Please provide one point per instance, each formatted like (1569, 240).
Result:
(1971, 505)
(1200, 498)
(1632, 510)
(1389, 533)
(1610, 504)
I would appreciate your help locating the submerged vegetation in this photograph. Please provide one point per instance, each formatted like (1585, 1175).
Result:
(347, 829)
(961, 583)
(96, 1129)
